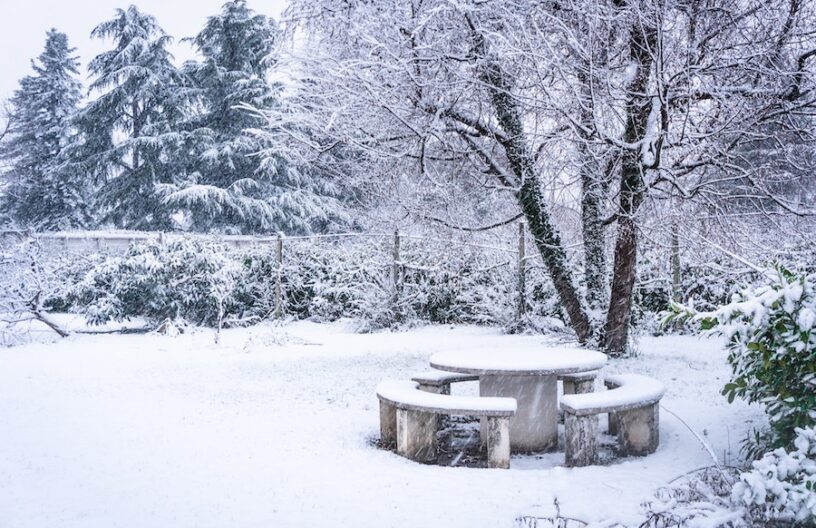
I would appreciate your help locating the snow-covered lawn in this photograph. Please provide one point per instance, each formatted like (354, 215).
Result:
(273, 428)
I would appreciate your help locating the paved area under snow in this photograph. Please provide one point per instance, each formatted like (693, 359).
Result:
(273, 428)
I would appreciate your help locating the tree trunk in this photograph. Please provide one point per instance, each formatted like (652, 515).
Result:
(642, 43)
(532, 201)
(592, 226)
(595, 176)
(548, 242)
(136, 132)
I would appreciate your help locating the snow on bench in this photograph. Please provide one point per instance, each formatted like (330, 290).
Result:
(630, 391)
(408, 416)
(632, 402)
(439, 381)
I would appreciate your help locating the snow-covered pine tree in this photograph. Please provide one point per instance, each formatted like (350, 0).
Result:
(40, 192)
(237, 181)
(132, 142)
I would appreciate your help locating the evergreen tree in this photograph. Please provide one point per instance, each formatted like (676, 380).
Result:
(41, 192)
(131, 134)
(237, 181)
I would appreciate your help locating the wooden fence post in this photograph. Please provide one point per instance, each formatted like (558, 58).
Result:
(279, 279)
(677, 294)
(396, 266)
(522, 279)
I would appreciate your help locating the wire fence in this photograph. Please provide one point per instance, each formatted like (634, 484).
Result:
(398, 255)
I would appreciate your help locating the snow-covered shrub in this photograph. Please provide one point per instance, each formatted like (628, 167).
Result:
(781, 486)
(30, 284)
(771, 332)
(203, 282)
(701, 498)
(182, 280)
(330, 280)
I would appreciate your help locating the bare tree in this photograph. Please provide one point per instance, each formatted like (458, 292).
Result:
(29, 281)
(474, 112)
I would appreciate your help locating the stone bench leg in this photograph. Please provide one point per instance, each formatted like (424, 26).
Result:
(498, 442)
(639, 430)
(580, 440)
(416, 435)
(388, 423)
(579, 387)
(437, 389)
(612, 424)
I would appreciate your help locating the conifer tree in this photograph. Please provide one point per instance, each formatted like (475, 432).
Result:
(237, 182)
(131, 136)
(41, 191)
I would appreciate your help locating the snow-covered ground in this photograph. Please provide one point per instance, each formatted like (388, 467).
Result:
(273, 428)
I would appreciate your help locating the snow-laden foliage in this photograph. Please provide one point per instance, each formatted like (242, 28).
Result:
(42, 191)
(700, 499)
(182, 281)
(131, 136)
(234, 179)
(779, 490)
(30, 283)
(771, 332)
(434, 283)
(207, 283)
(781, 486)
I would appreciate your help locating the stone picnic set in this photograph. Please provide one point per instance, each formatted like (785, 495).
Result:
(518, 405)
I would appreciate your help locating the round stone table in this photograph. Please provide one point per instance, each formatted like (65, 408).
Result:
(531, 377)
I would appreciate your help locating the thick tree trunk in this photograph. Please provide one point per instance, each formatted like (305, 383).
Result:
(595, 175)
(531, 198)
(548, 242)
(642, 43)
(593, 197)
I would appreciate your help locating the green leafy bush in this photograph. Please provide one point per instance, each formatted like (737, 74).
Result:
(771, 332)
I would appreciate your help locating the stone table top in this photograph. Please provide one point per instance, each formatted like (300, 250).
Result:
(519, 362)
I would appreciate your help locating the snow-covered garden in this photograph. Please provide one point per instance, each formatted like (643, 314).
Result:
(277, 426)
(522, 264)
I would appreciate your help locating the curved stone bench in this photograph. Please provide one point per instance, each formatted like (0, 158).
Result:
(439, 381)
(408, 416)
(632, 403)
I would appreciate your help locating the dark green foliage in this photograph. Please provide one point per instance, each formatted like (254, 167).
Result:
(131, 139)
(43, 191)
(771, 332)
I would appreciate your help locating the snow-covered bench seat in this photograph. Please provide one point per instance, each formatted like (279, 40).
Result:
(632, 399)
(439, 381)
(409, 417)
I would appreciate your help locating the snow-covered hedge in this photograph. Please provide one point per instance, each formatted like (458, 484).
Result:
(182, 280)
(207, 283)
(771, 332)
(781, 486)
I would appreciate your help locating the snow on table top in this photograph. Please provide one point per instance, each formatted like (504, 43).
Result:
(632, 391)
(533, 361)
(406, 395)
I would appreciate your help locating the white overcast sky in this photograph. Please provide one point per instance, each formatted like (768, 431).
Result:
(23, 24)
